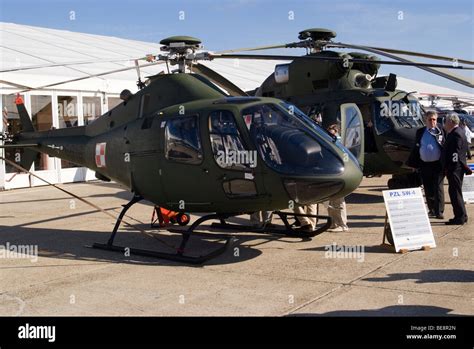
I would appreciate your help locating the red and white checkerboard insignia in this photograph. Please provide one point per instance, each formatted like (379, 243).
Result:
(100, 154)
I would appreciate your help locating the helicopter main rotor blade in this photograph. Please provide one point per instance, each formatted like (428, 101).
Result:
(403, 52)
(463, 103)
(387, 52)
(460, 100)
(429, 68)
(88, 77)
(66, 64)
(341, 45)
(339, 59)
(443, 95)
(218, 79)
(245, 49)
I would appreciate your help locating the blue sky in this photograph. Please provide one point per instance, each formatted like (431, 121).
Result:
(440, 27)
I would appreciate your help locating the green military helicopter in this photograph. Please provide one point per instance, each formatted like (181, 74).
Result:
(344, 88)
(181, 143)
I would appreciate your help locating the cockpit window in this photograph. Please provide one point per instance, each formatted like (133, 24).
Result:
(402, 113)
(289, 142)
(227, 146)
(313, 125)
(182, 141)
(353, 139)
(306, 120)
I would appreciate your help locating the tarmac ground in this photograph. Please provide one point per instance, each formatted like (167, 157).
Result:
(258, 275)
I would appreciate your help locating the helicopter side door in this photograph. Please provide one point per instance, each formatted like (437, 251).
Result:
(352, 130)
(234, 162)
(181, 163)
(203, 165)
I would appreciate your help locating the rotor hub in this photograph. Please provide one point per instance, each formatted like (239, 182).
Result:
(181, 50)
(180, 44)
(313, 39)
(316, 34)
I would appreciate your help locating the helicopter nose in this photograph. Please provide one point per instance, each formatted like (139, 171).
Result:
(351, 177)
(313, 165)
(321, 188)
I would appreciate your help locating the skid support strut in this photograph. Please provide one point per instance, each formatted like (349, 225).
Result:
(179, 255)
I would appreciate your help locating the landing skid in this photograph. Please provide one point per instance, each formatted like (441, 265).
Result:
(179, 255)
(176, 257)
(287, 230)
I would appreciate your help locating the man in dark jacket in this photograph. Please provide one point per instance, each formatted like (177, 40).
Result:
(427, 157)
(456, 167)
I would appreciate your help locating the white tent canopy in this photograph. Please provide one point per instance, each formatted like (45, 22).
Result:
(22, 46)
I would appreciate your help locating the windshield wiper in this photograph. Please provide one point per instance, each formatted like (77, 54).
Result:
(405, 96)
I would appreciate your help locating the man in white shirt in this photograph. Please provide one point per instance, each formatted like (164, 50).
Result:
(428, 150)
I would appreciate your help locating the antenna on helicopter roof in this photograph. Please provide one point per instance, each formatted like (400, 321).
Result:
(140, 83)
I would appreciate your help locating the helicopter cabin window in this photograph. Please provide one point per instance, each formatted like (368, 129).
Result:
(370, 144)
(144, 105)
(315, 113)
(353, 139)
(383, 123)
(288, 141)
(227, 146)
(402, 113)
(182, 140)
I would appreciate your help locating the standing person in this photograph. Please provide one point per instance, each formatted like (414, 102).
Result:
(308, 224)
(337, 207)
(468, 133)
(369, 137)
(427, 158)
(261, 219)
(456, 167)
(338, 213)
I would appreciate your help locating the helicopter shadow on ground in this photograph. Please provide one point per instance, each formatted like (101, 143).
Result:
(429, 276)
(363, 198)
(364, 221)
(243, 248)
(123, 194)
(378, 189)
(393, 310)
(71, 244)
(367, 249)
(75, 244)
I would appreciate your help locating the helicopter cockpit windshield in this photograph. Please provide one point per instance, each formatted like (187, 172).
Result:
(399, 113)
(287, 143)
